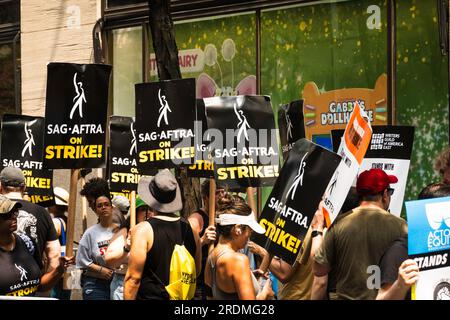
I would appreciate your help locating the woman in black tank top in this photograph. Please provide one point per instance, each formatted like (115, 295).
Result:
(165, 235)
(153, 241)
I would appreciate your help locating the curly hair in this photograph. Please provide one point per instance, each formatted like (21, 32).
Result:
(95, 188)
(231, 204)
(442, 162)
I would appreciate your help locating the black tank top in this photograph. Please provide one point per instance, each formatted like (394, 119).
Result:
(165, 235)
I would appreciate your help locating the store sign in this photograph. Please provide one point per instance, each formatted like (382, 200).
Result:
(190, 60)
(325, 111)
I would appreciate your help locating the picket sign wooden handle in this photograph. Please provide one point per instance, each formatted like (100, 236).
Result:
(83, 207)
(251, 201)
(212, 208)
(132, 209)
(71, 211)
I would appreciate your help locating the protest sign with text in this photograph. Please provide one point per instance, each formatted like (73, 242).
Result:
(429, 246)
(243, 140)
(389, 150)
(22, 147)
(122, 166)
(75, 115)
(290, 122)
(203, 167)
(165, 115)
(295, 198)
(352, 149)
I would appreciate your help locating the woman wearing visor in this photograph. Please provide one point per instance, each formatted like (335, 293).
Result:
(227, 274)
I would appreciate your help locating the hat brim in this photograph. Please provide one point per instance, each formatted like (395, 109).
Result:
(145, 194)
(60, 202)
(256, 227)
(392, 179)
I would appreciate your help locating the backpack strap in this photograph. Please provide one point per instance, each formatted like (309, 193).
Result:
(63, 232)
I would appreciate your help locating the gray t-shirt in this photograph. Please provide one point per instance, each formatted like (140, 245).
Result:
(93, 246)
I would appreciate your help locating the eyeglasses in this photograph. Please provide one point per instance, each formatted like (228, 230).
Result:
(390, 191)
(103, 204)
(10, 215)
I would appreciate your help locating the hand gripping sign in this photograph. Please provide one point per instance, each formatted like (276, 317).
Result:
(75, 115)
(353, 147)
(294, 199)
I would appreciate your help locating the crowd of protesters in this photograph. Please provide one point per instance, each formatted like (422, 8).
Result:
(124, 262)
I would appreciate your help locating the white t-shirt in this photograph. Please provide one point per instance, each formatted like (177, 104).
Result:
(93, 246)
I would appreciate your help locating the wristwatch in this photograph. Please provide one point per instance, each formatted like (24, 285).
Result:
(315, 233)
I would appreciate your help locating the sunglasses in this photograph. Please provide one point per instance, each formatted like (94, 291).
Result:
(390, 191)
(10, 215)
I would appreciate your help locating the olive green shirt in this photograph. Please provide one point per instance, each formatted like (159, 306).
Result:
(300, 285)
(354, 243)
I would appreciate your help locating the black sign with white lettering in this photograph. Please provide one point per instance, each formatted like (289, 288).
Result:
(203, 168)
(243, 140)
(22, 147)
(290, 122)
(165, 115)
(393, 142)
(75, 115)
(295, 198)
(122, 165)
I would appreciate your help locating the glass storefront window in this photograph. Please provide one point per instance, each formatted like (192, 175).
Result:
(118, 3)
(422, 88)
(7, 93)
(219, 52)
(10, 12)
(315, 50)
(127, 71)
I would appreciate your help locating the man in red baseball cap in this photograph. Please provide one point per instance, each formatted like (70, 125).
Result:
(359, 239)
(373, 183)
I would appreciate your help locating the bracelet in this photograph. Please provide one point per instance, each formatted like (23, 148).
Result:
(101, 268)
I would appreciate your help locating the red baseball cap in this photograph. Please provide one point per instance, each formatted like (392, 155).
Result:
(373, 181)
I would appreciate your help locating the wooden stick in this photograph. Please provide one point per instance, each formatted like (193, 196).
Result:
(259, 202)
(132, 209)
(70, 229)
(83, 207)
(251, 201)
(71, 211)
(212, 207)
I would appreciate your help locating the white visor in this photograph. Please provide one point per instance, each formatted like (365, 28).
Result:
(229, 219)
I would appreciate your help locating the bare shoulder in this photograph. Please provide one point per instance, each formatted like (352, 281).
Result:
(142, 228)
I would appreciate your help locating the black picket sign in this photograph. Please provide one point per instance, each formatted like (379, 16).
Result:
(76, 114)
(165, 115)
(290, 122)
(243, 140)
(394, 142)
(203, 166)
(22, 142)
(122, 165)
(295, 198)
